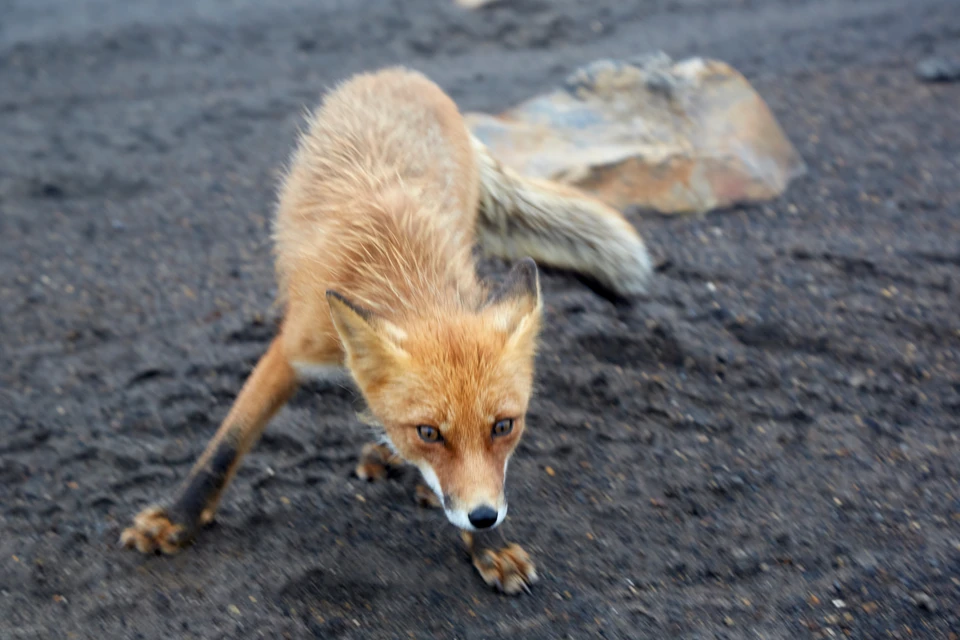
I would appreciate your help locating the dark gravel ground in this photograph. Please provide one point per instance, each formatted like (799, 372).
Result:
(767, 447)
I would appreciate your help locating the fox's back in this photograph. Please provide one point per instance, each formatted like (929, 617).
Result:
(380, 197)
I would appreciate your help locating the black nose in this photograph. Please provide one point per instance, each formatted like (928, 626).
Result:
(483, 517)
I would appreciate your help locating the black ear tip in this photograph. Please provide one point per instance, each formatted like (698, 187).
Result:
(528, 273)
(524, 277)
(360, 311)
(527, 266)
(521, 281)
(526, 269)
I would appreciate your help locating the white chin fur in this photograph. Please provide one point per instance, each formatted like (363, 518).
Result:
(459, 519)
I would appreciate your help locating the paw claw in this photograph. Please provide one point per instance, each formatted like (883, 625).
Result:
(153, 530)
(375, 462)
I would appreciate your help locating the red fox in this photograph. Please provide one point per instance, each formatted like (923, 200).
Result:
(384, 198)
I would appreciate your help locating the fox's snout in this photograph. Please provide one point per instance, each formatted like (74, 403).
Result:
(477, 515)
(483, 517)
(478, 518)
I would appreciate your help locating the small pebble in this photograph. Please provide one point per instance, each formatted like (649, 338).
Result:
(939, 69)
(924, 602)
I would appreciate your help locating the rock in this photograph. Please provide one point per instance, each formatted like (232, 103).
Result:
(867, 562)
(924, 602)
(745, 563)
(677, 137)
(474, 4)
(939, 69)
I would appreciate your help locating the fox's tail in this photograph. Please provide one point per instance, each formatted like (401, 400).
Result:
(558, 226)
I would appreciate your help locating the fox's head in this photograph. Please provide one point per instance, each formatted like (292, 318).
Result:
(451, 390)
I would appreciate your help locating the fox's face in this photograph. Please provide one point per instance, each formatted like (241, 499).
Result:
(451, 391)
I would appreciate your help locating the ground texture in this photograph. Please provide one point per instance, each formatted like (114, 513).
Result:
(766, 447)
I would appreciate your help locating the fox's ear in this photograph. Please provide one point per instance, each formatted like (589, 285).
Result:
(371, 343)
(517, 300)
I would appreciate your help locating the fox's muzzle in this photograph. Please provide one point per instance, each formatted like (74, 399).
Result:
(476, 517)
(483, 517)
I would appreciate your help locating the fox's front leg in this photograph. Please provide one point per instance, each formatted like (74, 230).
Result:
(169, 527)
(508, 568)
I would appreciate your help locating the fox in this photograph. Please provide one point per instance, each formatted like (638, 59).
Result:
(379, 209)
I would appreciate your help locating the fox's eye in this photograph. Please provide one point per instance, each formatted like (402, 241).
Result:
(429, 434)
(502, 427)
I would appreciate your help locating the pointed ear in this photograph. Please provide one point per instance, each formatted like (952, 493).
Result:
(517, 299)
(371, 343)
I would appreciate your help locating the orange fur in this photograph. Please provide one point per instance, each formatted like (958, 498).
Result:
(374, 232)
(380, 205)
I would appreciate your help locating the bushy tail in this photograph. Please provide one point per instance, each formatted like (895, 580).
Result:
(559, 226)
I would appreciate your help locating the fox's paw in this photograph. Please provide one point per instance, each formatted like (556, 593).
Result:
(153, 530)
(508, 569)
(426, 498)
(376, 460)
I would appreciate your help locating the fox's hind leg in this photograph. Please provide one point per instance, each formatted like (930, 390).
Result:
(508, 569)
(169, 527)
